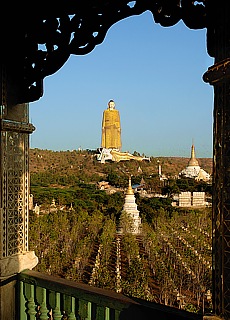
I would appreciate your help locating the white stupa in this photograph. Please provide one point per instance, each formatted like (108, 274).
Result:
(130, 207)
(193, 170)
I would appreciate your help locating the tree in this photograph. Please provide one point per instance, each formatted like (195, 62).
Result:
(125, 223)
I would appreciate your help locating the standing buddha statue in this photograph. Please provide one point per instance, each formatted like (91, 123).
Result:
(111, 128)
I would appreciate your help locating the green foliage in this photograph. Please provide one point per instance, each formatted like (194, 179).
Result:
(191, 308)
(83, 197)
(104, 278)
(45, 179)
(66, 242)
(136, 283)
(125, 224)
(151, 208)
(113, 178)
(130, 246)
(176, 186)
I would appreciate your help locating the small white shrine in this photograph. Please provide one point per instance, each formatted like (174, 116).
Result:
(130, 208)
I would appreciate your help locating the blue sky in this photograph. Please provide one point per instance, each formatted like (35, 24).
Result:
(154, 75)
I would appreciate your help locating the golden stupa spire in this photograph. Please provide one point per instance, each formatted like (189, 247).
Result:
(193, 161)
(130, 189)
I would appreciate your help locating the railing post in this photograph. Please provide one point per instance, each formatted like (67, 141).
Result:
(85, 309)
(22, 302)
(57, 309)
(72, 313)
(31, 306)
(41, 298)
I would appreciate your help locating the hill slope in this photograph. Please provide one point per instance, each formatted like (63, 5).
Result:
(84, 163)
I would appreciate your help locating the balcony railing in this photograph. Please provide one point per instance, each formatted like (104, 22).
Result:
(46, 297)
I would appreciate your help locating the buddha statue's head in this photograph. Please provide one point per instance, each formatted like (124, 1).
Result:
(111, 104)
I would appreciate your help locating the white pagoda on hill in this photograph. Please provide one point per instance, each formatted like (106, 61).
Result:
(193, 170)
(130, 209)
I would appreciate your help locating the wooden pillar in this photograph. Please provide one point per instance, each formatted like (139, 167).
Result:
(218, 44)
(14, 189)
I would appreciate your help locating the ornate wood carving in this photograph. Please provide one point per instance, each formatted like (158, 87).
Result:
(50, 35)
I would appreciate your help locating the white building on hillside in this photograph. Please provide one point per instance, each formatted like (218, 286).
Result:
(193, 170)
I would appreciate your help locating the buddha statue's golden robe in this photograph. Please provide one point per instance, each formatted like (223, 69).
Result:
(111, 128)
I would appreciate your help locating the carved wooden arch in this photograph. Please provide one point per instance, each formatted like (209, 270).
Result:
(76, 27)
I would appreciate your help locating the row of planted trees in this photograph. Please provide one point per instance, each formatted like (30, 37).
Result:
(169, 263)
(180, 257)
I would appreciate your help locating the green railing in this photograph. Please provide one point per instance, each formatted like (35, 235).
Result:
(46, 297)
